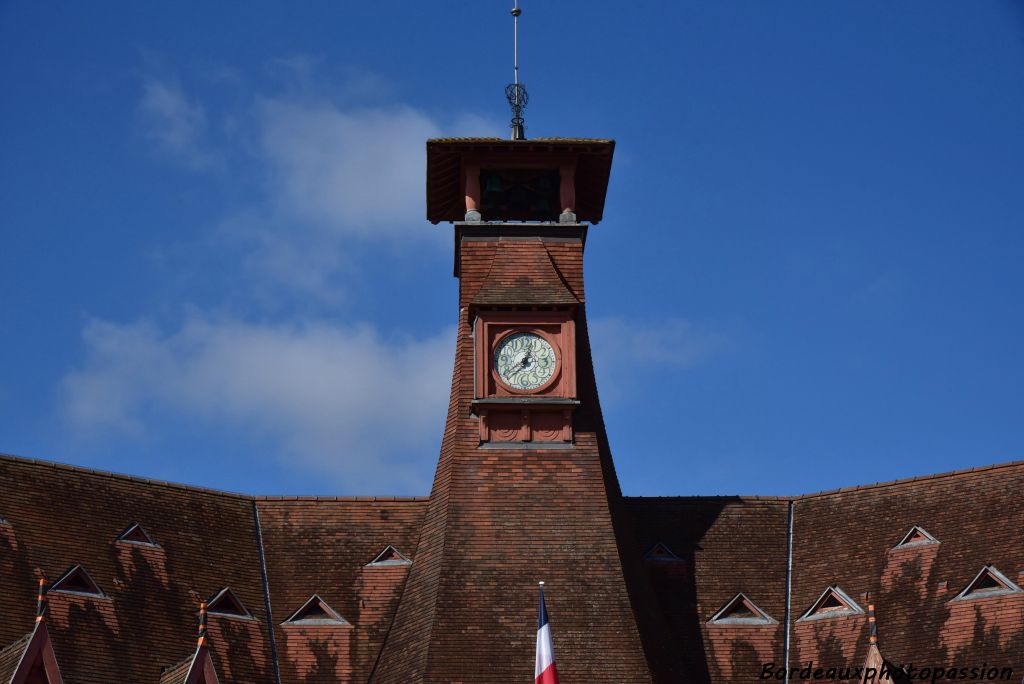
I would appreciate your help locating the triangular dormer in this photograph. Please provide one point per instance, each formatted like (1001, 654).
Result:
(226, 604)
(988, 582)
(196, 669)
(136, 535)
(740, 610)
(660, 552)
(917, 536)
(77, 581)
(31, 659)
(390, 556)
(315, 611)
(833, 602)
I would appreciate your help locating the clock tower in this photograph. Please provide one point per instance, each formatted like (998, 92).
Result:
(520, 215)
(525, 488)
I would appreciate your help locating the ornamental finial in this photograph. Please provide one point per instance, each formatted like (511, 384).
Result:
(202, 640)
(41, 600)
(515, 92)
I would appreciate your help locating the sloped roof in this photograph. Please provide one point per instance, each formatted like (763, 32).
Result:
(321, 546)
(522, 273)
(10, 656)
(68, 516)
(725, 545)
(176, 674)
(845, 538)
(198, 667)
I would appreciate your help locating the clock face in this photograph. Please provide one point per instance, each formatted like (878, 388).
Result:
(524, 361)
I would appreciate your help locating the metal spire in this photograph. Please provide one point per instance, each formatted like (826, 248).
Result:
(515, 92)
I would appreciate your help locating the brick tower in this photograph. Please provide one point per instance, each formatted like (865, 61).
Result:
(525, 488)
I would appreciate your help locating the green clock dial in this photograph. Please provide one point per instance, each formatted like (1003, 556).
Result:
(525, 361)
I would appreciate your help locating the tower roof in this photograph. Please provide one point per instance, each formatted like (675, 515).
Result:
(448, 159)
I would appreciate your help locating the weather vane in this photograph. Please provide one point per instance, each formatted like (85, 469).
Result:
(515, 92)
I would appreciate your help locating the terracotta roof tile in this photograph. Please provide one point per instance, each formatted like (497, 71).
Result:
(846, 538)
(320, 546)
(911, 480)
(726, 546)
(69, 516)
(10, 657)
(522, 273)
(176, 674)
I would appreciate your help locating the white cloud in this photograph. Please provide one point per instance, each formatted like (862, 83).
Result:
(323, 175)
(324, 184)
(358, 171)
(363, 410)
(174, 123)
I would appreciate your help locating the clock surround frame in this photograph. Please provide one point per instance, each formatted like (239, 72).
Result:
(537, 418)
(557, 327)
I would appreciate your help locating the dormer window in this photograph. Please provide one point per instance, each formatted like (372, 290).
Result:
(225, 603)
(77, 581)
(390, 556)
(136, 535)
(987, 583)
(660, 552)
(740, 610)
(917, 536)
(315, 612)
(832, 603)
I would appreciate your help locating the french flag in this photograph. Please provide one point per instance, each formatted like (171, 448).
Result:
(545, 672)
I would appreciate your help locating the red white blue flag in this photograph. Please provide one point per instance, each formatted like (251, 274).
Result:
(545, 672)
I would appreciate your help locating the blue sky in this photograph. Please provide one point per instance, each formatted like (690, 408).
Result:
(214, 266)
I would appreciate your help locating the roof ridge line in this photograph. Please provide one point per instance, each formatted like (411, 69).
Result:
(829, 492)
(911, 480)
(347, 499)
(16, 643)
(561, 276)
(23, 460)
(168, 668)
(711, 497)
(404, 499)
